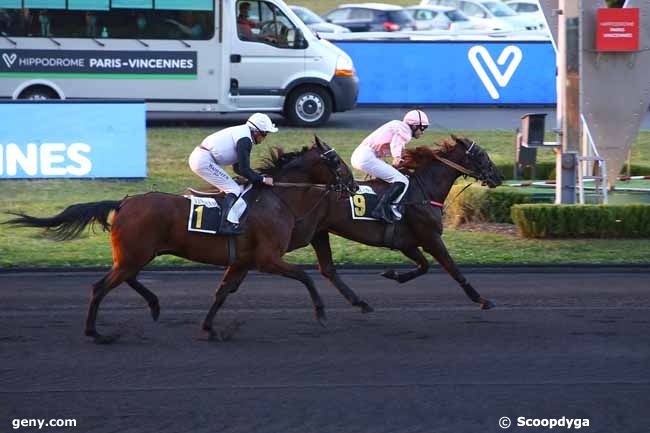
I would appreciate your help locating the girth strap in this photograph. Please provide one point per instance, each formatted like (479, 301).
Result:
(232, 250)
(390, 236)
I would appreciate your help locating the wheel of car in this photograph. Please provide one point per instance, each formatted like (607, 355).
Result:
(309, 106)
(38, 93)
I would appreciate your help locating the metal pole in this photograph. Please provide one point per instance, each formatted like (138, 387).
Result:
(569, 78)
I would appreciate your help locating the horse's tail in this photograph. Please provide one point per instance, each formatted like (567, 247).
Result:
(71, 222)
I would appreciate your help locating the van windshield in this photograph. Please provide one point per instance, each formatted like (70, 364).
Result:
(499, 9)
(307, 16)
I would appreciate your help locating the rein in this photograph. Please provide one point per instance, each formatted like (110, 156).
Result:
(456, 166)
(302, 218)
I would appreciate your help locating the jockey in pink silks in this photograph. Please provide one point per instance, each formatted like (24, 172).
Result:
(389, 139)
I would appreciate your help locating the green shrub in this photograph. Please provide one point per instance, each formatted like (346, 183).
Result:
(481, 204)
(582, 221)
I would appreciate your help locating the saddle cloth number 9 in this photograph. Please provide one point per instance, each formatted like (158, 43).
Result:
(362, 204)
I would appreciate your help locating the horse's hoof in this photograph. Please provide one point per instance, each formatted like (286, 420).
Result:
(365, 308)
(155, 311)
(390, 274)
(321, 317)
(206, 335)
(487, 304)
(105, 339)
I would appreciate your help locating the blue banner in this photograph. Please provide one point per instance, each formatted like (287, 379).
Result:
(72, 140)
(484, 72)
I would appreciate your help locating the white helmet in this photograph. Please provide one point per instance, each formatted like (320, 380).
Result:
(262, 123)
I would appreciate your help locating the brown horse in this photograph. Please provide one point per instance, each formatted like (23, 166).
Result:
(432, 173)
(280, 219)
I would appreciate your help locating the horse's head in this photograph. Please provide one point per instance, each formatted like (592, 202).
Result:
(476, 161)
(316, 164)
(335, 165)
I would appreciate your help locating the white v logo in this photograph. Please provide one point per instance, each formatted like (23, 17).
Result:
(511, 53)
(9, 59)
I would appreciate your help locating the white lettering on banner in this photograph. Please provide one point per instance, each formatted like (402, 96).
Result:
(105, 63)
(478, 52)
(84, 165)
(50, 157)
(52, 62)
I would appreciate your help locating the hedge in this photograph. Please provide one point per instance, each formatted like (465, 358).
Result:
(483, 204)
(582, 221)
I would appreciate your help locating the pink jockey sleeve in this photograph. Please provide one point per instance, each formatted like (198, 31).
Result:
(389, 139)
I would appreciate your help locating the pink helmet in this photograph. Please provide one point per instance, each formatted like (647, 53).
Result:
(416, 118)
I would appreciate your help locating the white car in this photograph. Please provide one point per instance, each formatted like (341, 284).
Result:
(316, 23)
(529, 8)
(440, 18)
(491, 15)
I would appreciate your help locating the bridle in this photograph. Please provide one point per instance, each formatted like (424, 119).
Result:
(470, 152)
(333, 162)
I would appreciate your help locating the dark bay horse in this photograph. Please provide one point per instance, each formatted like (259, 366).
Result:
(432, 173)
(280, 219)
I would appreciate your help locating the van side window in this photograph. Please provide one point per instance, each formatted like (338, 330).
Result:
(263, 22)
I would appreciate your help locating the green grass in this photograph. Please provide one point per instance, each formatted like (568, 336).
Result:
(168, 171)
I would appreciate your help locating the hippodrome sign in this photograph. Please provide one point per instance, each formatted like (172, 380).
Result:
(617, 29)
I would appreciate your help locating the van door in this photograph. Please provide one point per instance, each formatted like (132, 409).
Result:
(267, 53)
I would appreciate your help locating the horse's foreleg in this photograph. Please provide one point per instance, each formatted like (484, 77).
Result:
(148, 295)
(280, 267)
(416, 255)
(321, 245)
(438, 250)
(231, 280)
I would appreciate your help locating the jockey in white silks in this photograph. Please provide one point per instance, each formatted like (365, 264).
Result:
(231, 146)
(389, 139)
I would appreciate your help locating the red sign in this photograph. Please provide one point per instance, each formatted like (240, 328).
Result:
(617, 29)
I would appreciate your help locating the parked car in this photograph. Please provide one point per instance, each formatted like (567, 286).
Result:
(490, 14)
(529, 8)
(371, 17)
(316, 23)
(440, 18)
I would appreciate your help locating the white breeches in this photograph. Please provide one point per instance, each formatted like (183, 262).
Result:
(202, 164)
(364, 159)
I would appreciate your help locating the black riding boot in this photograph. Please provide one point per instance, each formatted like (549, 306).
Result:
(225, 226)
(383, 211)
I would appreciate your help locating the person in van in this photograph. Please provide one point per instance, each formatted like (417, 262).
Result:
(231, 146)
(389, 139)
(245, 25)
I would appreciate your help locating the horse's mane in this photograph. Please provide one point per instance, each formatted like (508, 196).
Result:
(422, 156)
(278, 159)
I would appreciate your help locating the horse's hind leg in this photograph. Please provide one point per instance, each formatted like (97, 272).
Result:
(438, 250)
(280, 267)
(416, 255)
(112, 279)
(231, 280)
(321, 244)
(148, 295)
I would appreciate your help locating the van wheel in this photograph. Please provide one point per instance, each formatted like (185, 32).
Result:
(38, 93)
(309, 106)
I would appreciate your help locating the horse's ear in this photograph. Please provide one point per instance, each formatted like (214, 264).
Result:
(455, 138)
(317, 141)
